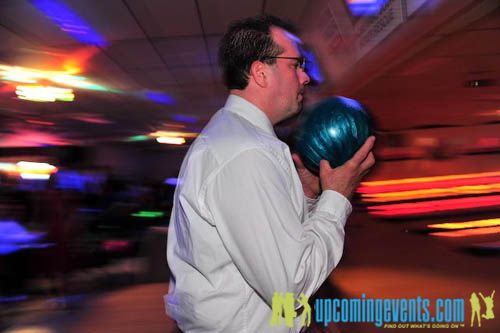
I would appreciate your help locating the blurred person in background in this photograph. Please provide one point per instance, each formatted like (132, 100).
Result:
(247, 221)
(54, 211)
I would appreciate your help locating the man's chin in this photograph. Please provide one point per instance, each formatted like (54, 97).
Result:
(300, 106)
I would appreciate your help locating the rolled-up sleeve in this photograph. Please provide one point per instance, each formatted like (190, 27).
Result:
(249, 199)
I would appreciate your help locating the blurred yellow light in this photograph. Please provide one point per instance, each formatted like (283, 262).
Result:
(466, 225)
(18, 74)
(44, 94)
(430, 193)
(467, 232)
(27, 73)
(8, 167)
(71, 68)
(171, 140)
(18, 77)
(30, 75)
(29, 170)
(430, 179)
(174, 134)
(35, 167)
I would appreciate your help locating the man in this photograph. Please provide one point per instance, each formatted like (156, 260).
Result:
(246, 222)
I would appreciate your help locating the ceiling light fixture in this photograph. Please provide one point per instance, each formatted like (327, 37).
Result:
(365, 7)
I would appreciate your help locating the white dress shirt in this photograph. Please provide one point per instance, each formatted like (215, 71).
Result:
(241, 228)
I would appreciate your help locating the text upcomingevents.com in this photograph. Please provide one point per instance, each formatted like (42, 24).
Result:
(388, 312)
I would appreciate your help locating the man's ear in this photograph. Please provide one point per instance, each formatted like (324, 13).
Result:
(259, 73)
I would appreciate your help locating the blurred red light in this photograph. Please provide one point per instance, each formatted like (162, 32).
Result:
(116, 245)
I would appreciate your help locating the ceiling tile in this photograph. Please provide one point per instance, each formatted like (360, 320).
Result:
(285, 9)
(161, 18)
(102, 68)
(183, 51)
(213, 48)
(217, 14)
(153, 79)
(194, 74)
(217, 72)
(135, 54)
(11, 42)
(481, 42)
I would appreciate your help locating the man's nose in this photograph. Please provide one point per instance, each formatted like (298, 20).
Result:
(304, 79)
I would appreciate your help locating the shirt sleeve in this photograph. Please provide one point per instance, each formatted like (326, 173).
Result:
(311, 204)
(249, 199)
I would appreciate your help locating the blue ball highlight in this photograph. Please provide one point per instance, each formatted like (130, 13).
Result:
(333, 130)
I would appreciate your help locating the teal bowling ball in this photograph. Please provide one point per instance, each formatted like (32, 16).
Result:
(332, 130)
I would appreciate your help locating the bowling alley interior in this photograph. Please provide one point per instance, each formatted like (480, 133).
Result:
(101, 100)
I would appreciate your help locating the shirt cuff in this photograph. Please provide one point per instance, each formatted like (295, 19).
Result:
(311, 201)
(334, 203)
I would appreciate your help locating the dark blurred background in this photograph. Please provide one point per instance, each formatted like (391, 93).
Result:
(99, 101)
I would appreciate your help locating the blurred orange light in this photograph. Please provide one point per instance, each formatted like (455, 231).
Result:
(430, 179)
(409, 184)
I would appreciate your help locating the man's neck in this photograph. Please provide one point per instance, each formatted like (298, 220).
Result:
(256, 100)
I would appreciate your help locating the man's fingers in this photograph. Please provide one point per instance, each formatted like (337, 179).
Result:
(364, 173)
(368, 162)
(324, 165)
(298, 161)
(363, 152)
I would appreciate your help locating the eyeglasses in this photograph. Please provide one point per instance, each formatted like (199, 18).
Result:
(300, 60)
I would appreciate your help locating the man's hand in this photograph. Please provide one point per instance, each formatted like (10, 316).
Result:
(310, 182)
(346, 178)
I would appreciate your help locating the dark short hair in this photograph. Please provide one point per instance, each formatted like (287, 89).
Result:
(246, 41)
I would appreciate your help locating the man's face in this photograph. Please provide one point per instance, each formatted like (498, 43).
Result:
(289, 79)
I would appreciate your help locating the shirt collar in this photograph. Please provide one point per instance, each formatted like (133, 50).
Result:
(250, 112)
